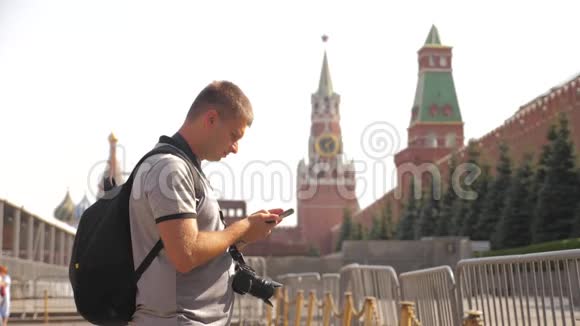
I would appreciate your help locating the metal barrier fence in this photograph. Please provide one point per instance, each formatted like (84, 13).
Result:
(433, 292)
(533, 289)
(379, 282)
(293, 284)
(40, 297)
(331, 284)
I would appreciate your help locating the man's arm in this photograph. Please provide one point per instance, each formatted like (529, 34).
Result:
(170, 193)
(187, 247)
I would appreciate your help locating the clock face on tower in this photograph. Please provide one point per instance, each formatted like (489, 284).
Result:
(326, 145)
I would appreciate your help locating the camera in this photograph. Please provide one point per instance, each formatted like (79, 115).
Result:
(246, 281)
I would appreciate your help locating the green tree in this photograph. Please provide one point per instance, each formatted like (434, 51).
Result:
(358, 233)
(313, 251)
(513, 229)
(461, 206)
(387, 227)
(375, 233)
(495, 199)
(557, 199)
(446, 204)
(473, 207)
(406, 228)
(346, 228)
(428, 215)
(576, 229)
(540, 174)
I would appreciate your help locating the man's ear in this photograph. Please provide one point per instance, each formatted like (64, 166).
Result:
(210, 117)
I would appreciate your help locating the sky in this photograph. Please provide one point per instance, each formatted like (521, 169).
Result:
(72, 72)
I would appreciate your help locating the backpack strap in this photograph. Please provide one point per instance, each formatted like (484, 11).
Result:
(198, 187)
(148, 259)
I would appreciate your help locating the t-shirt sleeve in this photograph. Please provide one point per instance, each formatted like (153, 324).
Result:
(169, 190)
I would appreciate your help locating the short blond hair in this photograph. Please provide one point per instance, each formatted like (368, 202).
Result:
(226, 98)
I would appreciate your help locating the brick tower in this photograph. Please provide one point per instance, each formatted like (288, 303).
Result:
(326, 182)
(436, 127)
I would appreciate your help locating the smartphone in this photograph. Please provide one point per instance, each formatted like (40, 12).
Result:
(287, 212)
(282, 215)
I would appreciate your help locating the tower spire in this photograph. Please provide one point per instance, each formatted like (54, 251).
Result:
(433, 37)
(325, 84)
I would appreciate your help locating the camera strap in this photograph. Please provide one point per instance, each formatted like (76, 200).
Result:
(233, 250)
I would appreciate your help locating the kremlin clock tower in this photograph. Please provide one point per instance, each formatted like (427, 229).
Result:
(326, 182)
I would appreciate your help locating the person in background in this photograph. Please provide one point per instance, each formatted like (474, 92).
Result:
(5, 282)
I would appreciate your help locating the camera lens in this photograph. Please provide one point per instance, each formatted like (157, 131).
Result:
(242, 283)
(246, 281)
(262, 289)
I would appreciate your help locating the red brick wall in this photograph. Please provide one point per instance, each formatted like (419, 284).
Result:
(524, 132)
(319, 213)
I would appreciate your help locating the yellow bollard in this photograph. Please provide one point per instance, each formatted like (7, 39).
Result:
(46, 306)
(347, 312)
(368, 311)
(311, 304)
(268, 315)
(299, 304)
(407, 313)
(279, 306)
(286, 307)
(327, 309)
(473, 318)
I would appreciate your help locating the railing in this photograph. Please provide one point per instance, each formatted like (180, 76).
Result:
(433, 291)
(43, 297)
(534, 289)
(379, 282)
(300, 283)
(301, 304)
(331, 284)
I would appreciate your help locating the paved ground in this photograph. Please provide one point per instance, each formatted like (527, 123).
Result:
(60, 324)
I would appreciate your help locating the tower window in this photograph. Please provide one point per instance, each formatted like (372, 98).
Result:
(443, 61)
(447, 110)
(433, 110)
(431, 140)
(450, 140)
(431, 61)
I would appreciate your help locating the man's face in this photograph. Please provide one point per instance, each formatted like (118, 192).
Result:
(225, 136)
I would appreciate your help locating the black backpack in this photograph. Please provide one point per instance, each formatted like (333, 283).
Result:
(101, 270)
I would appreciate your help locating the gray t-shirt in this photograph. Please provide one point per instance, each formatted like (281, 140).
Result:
(162, 190)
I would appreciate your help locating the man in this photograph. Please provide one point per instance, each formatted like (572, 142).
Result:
(189, 283)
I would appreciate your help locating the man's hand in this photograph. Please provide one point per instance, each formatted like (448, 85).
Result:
(259, 228)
